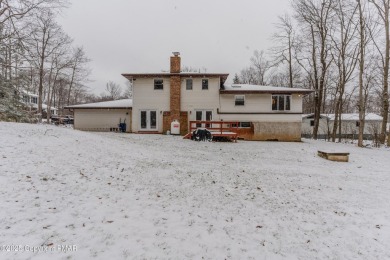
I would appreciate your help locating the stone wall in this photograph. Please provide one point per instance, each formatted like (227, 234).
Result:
(277, 131)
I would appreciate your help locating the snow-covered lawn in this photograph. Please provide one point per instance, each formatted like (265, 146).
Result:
(126, 196)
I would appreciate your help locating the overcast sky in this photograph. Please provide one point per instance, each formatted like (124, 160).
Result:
(126, 36)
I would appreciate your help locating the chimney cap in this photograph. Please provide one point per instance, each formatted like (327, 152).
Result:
(176, 53)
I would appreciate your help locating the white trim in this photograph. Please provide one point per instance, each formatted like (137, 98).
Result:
(208, 83)
(235, 100)
(148, 128)
(284, 109)
(154, 84)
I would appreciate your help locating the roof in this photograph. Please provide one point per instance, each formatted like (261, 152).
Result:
(258, 89)
(131, 76)
(311, 116)
(122, 103)
(355, 117)
(44, 107)
(29, 93)
(348, 117)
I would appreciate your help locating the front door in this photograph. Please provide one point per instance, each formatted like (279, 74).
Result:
(148, 119)
(204, 115)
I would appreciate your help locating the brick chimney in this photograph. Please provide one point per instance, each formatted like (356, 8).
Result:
(175, 62)
(175, 87)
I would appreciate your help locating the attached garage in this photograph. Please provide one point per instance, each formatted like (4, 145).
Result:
(102, 116)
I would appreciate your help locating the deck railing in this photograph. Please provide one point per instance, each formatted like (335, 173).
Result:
(215, 126)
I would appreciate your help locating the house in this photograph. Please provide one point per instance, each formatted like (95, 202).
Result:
(102, 116)
(349, 125)
(31, 101)
(262, 112)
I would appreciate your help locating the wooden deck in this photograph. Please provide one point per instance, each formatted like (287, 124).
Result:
(226, 129)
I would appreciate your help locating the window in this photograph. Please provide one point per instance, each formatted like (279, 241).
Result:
(242, 124)
(25, 99)
(188, 84)
(239, 100)
(205, 84)
(311, 122)
(158, 84)
(357, 123)
(34, 100)
(245, 124)
(203, 115)
(281, 102)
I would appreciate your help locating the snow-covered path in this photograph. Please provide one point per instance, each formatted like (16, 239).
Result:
(126, 196)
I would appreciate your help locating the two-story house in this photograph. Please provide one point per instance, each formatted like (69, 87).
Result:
(263, 112)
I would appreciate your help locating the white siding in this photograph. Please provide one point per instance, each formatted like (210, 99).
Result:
(146, 97)
(101, 119)
(259, 103)
(347, 127)
(262, 117)
(200, 99)
(323, 128)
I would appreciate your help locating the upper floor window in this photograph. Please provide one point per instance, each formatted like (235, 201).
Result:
(239, 100)
(281, 102)
(188, 84)
(205, 84)
(158, 84)
(34, 100)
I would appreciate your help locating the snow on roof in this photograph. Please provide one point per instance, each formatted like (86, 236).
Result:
(122, 103)
(355, 117)
(248, 87)
(44, 107)
(348, 117)
(29, 93)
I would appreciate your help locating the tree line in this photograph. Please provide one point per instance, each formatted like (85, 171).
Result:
(37, 56)
(338, 48)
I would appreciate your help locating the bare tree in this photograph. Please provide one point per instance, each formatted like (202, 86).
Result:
(285, 40)
(128, 90)
(79, 72)
(59, 62)
(344, 53)
(362, 48)
(45, 38)
(20, 8)
(382, 7)
(261, 66)
(114, 90)
(256, 73)
(315, 18)
(13, 69)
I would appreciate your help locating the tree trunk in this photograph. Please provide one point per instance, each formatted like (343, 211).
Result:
(361, 71)
(317, 102)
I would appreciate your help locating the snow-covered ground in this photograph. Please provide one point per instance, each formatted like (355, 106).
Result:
(126, 196)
